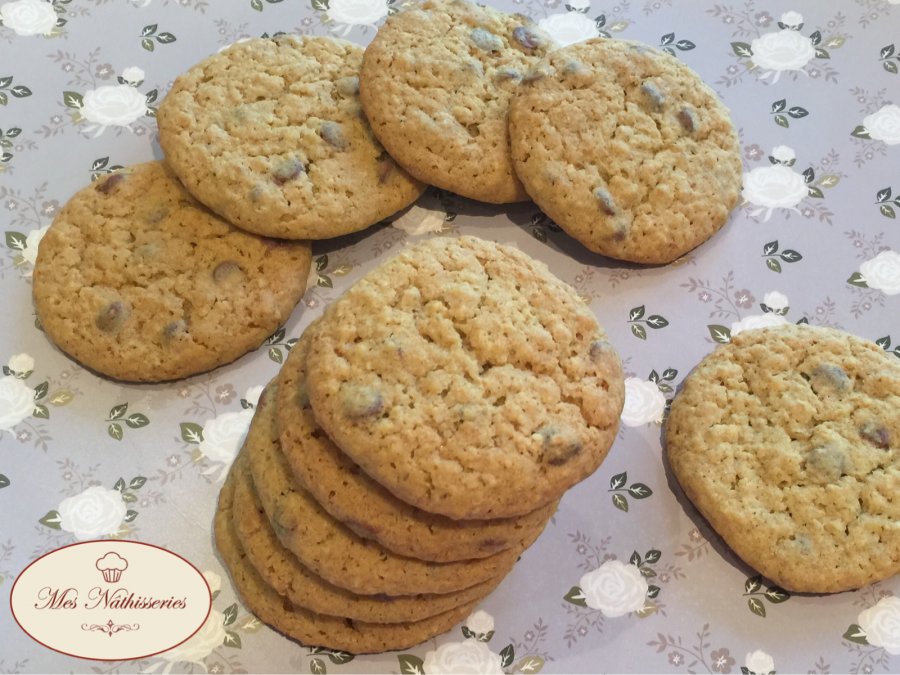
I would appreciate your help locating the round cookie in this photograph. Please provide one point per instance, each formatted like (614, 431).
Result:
(348, 494)
(787, 441)
(281, 570)
(626, 149)
(467, 379)
(435, 85)
(139, 281)
(336, 553)
(270, 135)
(313, 629)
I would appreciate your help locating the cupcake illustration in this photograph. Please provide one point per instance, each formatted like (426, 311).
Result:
(112, 565)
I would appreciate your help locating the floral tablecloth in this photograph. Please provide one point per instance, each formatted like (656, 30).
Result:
(627, 577)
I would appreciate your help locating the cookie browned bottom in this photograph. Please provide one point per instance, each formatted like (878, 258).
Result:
(313, 629)
(138, 280)
(281, 570)
(348, 494)
(335, 552)
(786, 440)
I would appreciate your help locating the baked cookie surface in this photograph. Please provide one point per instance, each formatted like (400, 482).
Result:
(270, 135)
(348, 494)
(467, 379)
(786, 440)
(336, 553)
(626, 149)
(139, 281)
(436, 83)
(313, 629)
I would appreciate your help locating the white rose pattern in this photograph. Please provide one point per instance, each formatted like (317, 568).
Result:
(213, 580)
(480, 622)
(759, 662)
(792, 20)
(21, 364)
(202, 643)
(470, 656)
(757, 321)
(29, 17)
(615, 588)
(775, 187)
(882, 624)
(224, 435)
(357, 12)
(569, 28)
(96, 512)
(253, 394)
(644, 403)
(134, 75)
(16, 402)
(783, 153)
(118, 105)
(32, 241)
(883, 272)
(884, 125)
(783, 50)
(776, 301)
(418, 220)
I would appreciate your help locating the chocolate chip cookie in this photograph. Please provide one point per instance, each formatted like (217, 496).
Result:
(786, 440)
(139, 281)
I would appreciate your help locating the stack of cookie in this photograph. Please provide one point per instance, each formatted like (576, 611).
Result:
(415, 443)
(621, 144)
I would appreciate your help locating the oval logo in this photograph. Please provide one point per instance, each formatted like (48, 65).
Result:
(110, 600)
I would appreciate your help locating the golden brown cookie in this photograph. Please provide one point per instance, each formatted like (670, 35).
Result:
(270, 135)
(336, 553)
(281, 570)
(467, 379)
(139, 281)
(787, 441)
(436, 83)
(313, 629)
(626, 149)
(348, 494)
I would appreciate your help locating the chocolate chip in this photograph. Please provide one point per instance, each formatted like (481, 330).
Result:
(527, 37)
(256, 193)
(491, 544)
(361, 401)
(522, 18)
(508, 74)
(288, 170)
(560, 443)
(112, 317)
(655, 100)
(829, 376)
(158, 215)
(826, 463)
(486, 40)
(347, 86)
(876, 434)
(572, 67)
(384, 170)
(686, 118)
(225, 269)
(332, 134)
(605, 201)
(175, 329)
(106, 186)
(533, 76)
(261, 401)
(600, 348)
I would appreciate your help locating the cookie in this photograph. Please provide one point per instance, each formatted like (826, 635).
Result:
(270, 135)
(785, 440)
(336, 553)
(139, 281)
(281, 570)
(313, 629)
(626, 149)
(348, 494)
(467, 379)
(436, 83)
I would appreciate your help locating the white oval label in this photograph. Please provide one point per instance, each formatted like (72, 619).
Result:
(110, 600)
